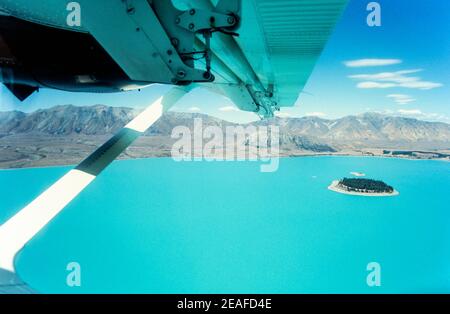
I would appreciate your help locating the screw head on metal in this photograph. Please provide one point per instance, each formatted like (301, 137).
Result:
(208, 76)
(181, 73)
(231, 20)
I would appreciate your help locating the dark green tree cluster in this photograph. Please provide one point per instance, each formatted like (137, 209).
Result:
(365, 185)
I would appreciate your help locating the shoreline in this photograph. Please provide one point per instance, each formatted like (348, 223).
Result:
(338, 154)
(62, 165)
(335, 188)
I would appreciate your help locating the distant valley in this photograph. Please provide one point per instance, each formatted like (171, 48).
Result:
(66, 134)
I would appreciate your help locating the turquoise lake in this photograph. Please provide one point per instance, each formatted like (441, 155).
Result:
(160, 226)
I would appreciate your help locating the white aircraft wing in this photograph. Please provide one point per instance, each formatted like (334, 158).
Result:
(24, 225)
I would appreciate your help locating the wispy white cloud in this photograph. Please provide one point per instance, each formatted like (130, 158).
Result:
(394, 79)
(228, 108)
(410, 112)
(384, 111)
(419, 114)
(371, 62)
(424, 85)
(401, 99)
(282, 114)
(369, 85)
(194, 109)
(315, 114)
(413, 113)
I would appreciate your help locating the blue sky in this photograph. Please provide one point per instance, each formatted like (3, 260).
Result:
(415, 33)
(411, 48)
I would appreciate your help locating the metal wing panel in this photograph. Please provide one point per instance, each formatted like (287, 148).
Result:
(49, 12)
(283, 39)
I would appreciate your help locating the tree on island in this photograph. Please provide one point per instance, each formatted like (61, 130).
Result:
(365, 185)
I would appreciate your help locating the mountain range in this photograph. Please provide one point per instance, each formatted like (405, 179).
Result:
(65, 134)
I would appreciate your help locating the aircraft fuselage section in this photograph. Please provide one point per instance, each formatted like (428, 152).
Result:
(36, 55)
(107, 46)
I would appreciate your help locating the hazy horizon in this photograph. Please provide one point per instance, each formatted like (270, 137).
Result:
(281, 116)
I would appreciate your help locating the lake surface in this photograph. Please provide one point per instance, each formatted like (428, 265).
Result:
(159, 226)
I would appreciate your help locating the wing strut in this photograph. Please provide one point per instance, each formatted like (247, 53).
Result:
(22, 227)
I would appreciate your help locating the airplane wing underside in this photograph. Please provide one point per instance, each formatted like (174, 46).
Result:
(282, 41)
(262, 69)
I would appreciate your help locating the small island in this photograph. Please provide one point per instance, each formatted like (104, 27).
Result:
(364, 187)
